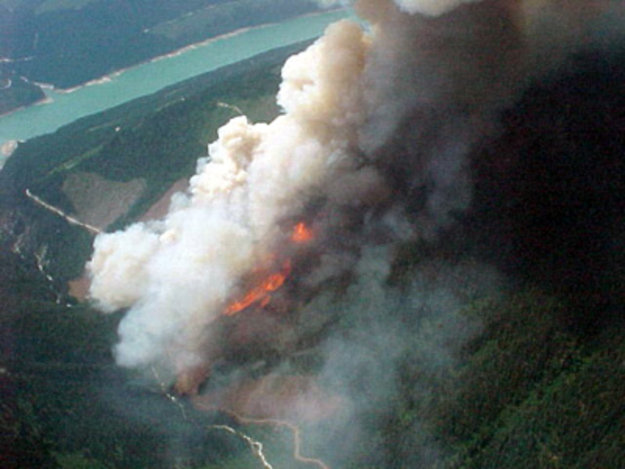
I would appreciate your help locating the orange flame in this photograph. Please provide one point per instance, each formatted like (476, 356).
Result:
(301, 233)
(261, 292)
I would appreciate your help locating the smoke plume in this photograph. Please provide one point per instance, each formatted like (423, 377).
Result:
(372, 149)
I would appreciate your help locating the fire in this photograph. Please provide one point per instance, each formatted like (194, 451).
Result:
(301, 233)
(261, 293)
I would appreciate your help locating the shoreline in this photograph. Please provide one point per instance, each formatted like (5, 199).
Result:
(109, 77)
(45, 100)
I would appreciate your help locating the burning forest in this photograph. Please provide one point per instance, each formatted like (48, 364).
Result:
(292, 238)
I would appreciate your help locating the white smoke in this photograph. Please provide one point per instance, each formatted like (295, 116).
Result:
(430, 7)
(424, 7)
(176, 275)
(365, 112)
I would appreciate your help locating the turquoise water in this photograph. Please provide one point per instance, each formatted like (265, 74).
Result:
(150, 77)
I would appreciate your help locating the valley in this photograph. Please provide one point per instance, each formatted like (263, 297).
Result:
(496, 345)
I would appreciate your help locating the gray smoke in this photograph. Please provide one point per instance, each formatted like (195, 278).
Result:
(372, 150)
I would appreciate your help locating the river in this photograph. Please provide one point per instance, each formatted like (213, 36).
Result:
(62, 107)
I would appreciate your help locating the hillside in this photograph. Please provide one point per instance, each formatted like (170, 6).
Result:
(505, 346)
(174, 126)
(15, 92)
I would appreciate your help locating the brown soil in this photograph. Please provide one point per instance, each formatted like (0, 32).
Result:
(159, 209)
(296, 399)
(98, 201)
(79, 287)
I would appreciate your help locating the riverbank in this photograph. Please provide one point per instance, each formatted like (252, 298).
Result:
(128, 84)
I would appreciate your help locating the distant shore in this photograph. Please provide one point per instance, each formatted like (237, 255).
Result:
(48, 87)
